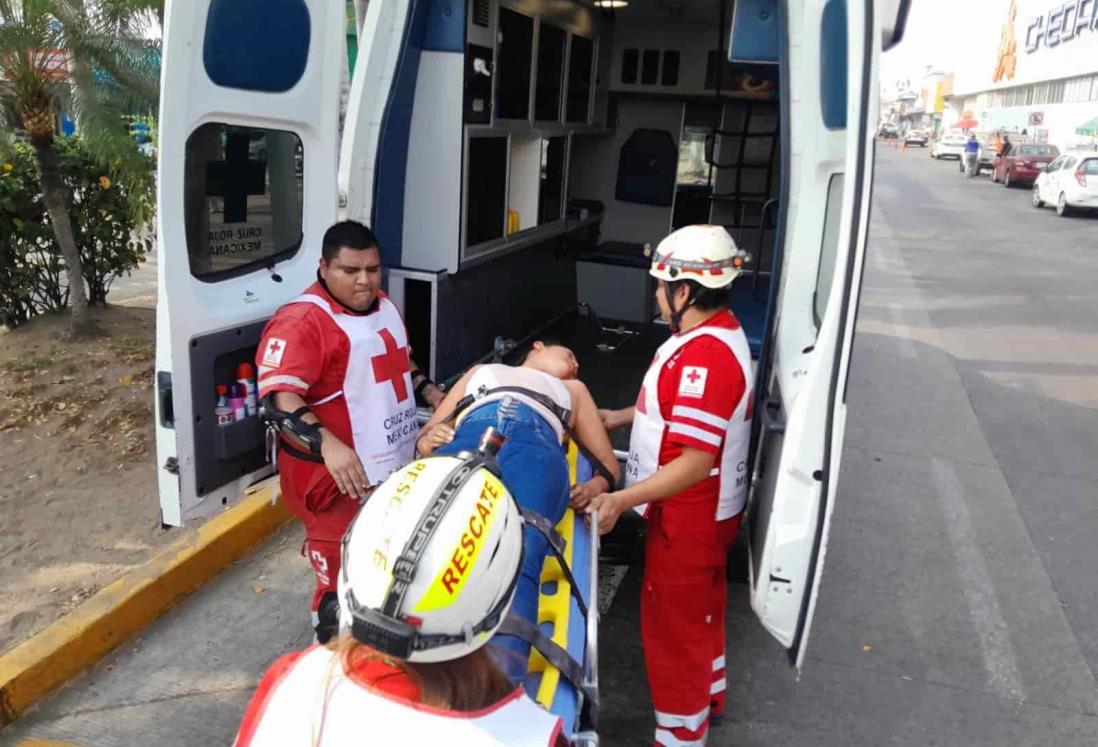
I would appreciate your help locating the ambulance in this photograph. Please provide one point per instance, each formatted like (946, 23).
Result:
(515, 158)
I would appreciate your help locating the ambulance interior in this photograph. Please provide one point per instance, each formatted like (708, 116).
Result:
(597, 132)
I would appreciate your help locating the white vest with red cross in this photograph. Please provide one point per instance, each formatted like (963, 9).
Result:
(316, 705)
(377, 387)
(649, 427)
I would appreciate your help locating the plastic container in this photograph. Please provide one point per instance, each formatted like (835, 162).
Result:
(236, 402)
(223, 413)
(245, 376)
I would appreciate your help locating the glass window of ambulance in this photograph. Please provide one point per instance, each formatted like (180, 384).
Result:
(243, 193)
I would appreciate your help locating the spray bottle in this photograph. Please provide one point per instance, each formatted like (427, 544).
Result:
(245, 376)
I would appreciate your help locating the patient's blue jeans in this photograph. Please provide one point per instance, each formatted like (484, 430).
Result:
(535, 471)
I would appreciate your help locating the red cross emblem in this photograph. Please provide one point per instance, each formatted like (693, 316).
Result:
(392, 365)
(272, 354)
(693, 377)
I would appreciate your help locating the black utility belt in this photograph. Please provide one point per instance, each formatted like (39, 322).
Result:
(296, 453)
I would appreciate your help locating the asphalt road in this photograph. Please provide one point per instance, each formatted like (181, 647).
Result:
(959, 603)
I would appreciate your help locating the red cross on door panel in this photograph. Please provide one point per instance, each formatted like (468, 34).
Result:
(392, 365)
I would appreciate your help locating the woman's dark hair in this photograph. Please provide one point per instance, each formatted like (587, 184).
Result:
(470, 683)
(547, 342)
(346, 234)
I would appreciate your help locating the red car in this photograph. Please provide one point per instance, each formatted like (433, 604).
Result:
(1023, 163)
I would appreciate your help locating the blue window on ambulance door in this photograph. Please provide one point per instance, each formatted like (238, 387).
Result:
(833, 65)
(243, 198)
(256, 45)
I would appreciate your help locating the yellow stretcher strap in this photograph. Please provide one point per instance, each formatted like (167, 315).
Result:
(556, 608)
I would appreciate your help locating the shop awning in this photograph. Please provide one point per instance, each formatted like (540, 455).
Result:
(1090, 128)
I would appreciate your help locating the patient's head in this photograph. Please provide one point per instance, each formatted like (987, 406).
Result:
(553, 359)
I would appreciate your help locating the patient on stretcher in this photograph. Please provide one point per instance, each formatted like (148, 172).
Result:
(534, 406)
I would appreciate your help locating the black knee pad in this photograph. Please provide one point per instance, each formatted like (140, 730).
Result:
(327, 625)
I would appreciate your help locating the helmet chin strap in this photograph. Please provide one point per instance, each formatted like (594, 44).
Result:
(675, 320)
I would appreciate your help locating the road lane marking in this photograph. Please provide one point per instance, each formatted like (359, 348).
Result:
(996, 649)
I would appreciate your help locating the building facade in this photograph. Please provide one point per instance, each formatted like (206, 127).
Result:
(1035, 72)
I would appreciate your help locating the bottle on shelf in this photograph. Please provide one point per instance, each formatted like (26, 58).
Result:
(223, 413)
(245, 376)
(236, 402)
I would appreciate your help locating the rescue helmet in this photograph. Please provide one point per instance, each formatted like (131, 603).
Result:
(431, 562)
(704, 254)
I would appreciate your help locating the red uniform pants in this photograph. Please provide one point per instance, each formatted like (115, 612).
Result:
(311, 493)
(683, 601)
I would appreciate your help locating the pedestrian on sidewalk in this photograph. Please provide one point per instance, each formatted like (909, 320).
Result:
(334, 365)
(430, 569)
(687, 472)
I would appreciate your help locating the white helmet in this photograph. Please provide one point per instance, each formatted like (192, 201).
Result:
(705, 254)
(431, 561)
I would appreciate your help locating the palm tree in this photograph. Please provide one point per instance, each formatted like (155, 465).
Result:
(86, 56)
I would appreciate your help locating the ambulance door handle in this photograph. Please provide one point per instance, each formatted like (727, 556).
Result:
(772, 418)
(164, 399)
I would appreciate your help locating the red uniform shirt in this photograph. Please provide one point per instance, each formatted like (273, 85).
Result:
(303, 351)
(696, 409)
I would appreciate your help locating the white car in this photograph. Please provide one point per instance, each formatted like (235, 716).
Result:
(1070, 182)
(916, 137)
(949, 145)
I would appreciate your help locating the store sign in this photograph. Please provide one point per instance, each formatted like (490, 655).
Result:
(1007, 61)
(1064, 23)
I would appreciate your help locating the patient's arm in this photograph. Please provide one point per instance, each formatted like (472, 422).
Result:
(614, 419)
(589, 428)
(438, 430)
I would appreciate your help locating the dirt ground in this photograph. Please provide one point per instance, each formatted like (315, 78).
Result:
(78, 502)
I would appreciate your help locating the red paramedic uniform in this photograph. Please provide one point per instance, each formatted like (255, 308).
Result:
(697, 393)
(353, 371)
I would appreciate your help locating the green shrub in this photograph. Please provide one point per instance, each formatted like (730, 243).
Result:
(104, 214)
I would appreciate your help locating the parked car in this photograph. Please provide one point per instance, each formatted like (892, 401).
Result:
(887, 132)
(987, 156)
(949, 145)
(1023, 164)
(917, 137)
(1070, 182)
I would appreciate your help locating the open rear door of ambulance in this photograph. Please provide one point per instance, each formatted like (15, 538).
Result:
(829, 50)
(249, 142)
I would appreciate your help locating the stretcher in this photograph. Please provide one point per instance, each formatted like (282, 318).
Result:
(561, 618)
(562, 674)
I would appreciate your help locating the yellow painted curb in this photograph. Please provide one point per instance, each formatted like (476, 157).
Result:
(119, 611)
(42, 743)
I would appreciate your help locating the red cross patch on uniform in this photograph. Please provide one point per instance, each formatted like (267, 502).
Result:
(272, 354)
(692, 382)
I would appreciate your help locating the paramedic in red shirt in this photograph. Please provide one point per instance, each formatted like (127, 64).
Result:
(687, 473)
(337, 357)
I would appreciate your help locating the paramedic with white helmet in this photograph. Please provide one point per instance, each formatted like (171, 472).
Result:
(430, 566)
(687, 474)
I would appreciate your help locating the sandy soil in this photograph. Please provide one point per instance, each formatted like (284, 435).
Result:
(78, 502)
